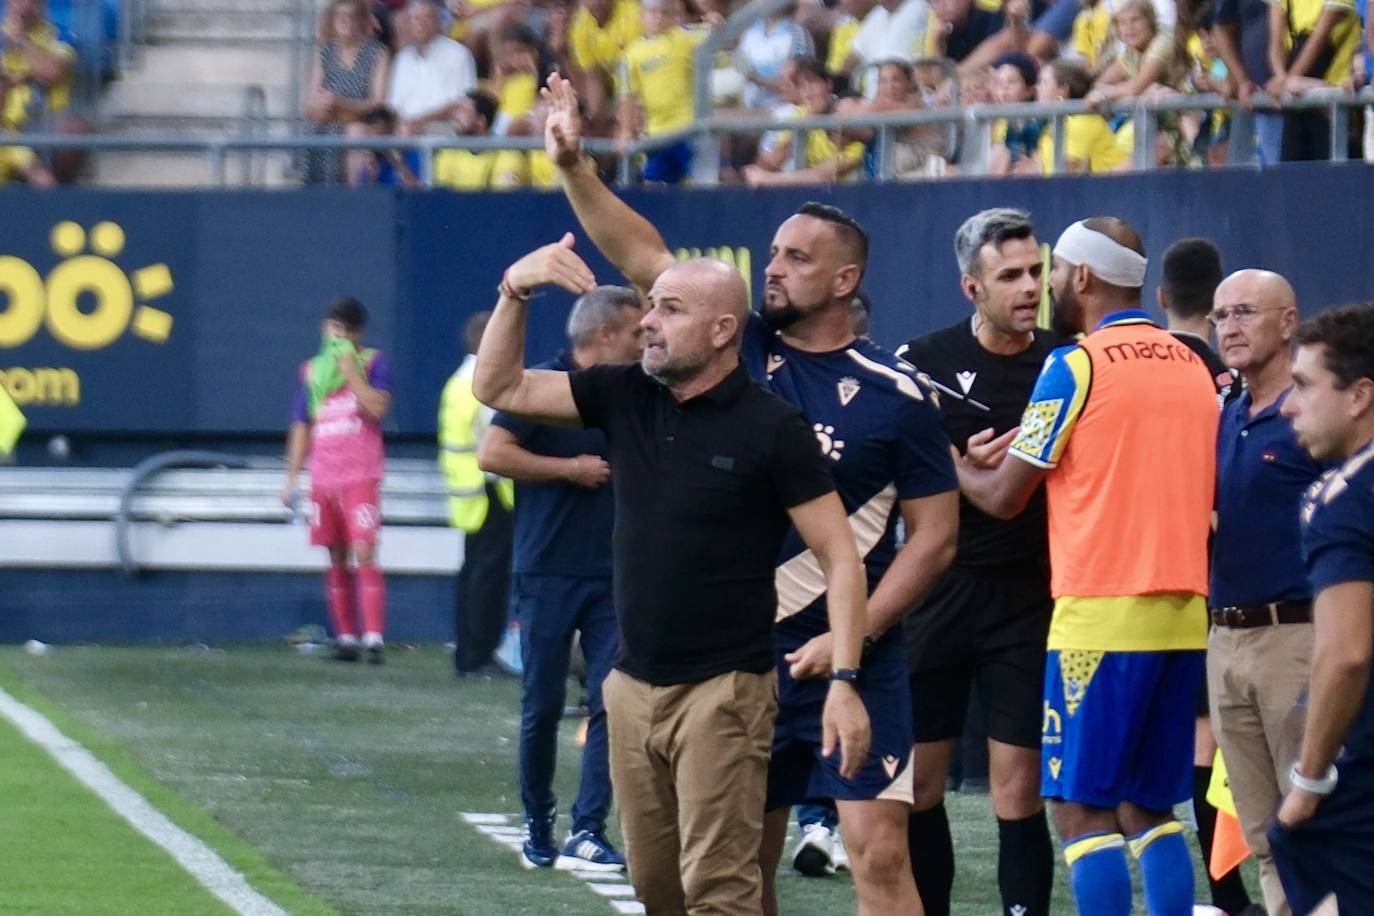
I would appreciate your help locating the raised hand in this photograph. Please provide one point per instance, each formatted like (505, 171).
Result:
(555, 265)
(563, 129)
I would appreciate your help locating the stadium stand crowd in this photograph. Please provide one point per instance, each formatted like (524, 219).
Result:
(476, 67)
(471, 69)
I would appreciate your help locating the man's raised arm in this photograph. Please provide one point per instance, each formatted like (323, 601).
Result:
(627, 239)
(501, 380)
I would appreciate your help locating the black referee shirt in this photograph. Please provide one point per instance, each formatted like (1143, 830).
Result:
(989, 390)
(702, 490)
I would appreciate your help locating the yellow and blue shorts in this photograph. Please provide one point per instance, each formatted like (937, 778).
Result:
(1118, 727)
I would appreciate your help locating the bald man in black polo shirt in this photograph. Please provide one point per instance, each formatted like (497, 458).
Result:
(709, 471)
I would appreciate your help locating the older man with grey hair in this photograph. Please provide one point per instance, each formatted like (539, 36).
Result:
(561, 583)
(431, 73)
(986, 621)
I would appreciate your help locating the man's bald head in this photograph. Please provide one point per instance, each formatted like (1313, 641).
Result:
(698, 311)
(1256, 314)
(721, 285)
(1261, 288)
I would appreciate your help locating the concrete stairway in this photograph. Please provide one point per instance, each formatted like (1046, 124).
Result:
(203, 61)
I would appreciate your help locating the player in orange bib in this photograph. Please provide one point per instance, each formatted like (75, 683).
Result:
(1122, 428)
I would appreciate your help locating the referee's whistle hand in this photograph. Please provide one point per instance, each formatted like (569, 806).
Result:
(845, 726)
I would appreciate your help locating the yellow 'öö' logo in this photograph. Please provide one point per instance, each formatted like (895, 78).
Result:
(87, 301)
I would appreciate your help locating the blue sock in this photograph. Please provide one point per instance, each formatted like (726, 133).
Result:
(1167, 869)
(1099, 875)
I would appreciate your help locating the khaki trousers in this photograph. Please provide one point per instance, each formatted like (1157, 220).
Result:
(1254, 678)
(689, 765)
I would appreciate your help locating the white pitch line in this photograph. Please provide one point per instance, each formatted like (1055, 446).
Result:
(491, 819)
(216, 875)
(613, 890)
(606, 884)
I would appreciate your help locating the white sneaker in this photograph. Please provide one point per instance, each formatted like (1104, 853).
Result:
(841, 855)
(815, 852)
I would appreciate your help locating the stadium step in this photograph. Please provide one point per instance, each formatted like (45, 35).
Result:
(194, 78)
(248, 21)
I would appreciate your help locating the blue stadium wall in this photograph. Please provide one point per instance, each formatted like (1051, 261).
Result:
(136, 320)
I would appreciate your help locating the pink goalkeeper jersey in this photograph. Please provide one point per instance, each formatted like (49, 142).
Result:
(345, 441)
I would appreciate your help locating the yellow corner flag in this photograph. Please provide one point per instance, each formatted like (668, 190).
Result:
(12, 422)
(1229, 848)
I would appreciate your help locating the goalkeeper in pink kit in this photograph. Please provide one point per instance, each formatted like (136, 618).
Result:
(336, 416)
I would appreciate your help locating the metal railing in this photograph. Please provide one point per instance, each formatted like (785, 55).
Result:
(132, 33)
(976, 121)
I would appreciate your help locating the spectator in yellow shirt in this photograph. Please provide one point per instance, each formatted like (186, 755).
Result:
(38, 64)
(514, 75)
(477, 23)
(1089, 144)
(1311, 46)
(519, 168)
(828, 156)
(462, 169)
(1093, 34)
(659, 76)
(1014, 140)
(598, 35)
(841, 45)
(37, 70)
(1149, 61)
(1147, 57)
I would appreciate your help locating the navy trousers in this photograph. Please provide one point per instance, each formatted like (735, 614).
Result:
(550, 610)
(1333, 851)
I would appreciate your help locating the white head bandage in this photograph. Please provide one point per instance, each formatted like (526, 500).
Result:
(1111, 261)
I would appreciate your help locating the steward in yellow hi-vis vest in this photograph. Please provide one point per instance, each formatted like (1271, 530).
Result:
(461, 423)
(480, 504)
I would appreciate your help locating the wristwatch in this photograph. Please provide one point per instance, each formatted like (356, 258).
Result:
(1322, 787)
(848, 675)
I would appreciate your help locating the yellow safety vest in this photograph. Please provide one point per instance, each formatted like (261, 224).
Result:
(459, 427)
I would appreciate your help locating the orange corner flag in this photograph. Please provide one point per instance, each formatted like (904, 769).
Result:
(1229, 848)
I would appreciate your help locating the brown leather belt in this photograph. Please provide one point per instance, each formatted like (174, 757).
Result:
(1263, 615)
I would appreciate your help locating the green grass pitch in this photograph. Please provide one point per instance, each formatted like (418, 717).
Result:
(333, 788)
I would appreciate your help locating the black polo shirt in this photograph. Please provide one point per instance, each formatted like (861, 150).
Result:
(702, 490)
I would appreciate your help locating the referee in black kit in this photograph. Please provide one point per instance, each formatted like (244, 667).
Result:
(988, 618)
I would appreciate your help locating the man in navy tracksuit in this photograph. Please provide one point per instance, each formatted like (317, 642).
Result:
(1323, 839)
(561, 584)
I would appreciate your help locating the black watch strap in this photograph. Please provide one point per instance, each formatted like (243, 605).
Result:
(848, 675)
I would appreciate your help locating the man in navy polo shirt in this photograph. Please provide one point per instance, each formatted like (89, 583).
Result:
(1323, 841)
(561, 583)
(1260, 645)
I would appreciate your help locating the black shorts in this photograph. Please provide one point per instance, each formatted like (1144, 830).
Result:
(985, 624)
